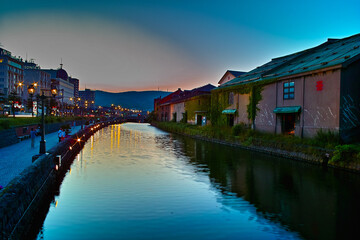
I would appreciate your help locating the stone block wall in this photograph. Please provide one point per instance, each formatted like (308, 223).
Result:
(22, 197)
(8, 137)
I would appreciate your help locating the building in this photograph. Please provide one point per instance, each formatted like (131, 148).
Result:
(87, 99)
(11, 74)
(192, 106)
(229, 75)
(37, 78)
(301, 93)
(195, 105)
(162, 106)
(60, 79)
(76, 84)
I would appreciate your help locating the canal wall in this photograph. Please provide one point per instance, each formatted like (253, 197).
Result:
(23, 196)
(311, 154)
(319, 159)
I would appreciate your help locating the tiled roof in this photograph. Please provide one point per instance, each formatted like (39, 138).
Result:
(236, 73)
(169, 97)
(186, 94)
(331, 53)
(256, 74)
(205, 88)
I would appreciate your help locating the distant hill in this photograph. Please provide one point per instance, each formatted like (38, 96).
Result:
(143, 100)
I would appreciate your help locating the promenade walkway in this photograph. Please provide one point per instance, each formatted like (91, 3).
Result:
(15, 158)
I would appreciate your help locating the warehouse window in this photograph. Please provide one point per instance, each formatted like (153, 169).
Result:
(231, 98)
(289, 90)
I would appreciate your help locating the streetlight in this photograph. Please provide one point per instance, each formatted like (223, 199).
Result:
(43, 97)
(31, 90)
(18, 84)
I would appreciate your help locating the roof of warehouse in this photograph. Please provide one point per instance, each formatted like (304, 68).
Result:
(332, 52)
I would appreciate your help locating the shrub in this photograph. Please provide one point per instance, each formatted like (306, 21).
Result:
(326, 138)
(49, 119)
(248, 141)
(184, 118)
(5, 124)
(344, 154)
(239, 129)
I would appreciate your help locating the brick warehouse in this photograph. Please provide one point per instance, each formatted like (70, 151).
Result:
(314, 89)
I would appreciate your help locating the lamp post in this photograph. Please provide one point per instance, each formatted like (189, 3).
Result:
(72, 106)
(62, 103)
(43, 97)
(18, 84)
(77, 102)
(31, 90)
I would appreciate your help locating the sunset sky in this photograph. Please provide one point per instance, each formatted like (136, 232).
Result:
(167, 44)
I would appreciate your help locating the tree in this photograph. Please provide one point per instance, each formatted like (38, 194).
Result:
(3, 100)
(12, 99)
(152, 117)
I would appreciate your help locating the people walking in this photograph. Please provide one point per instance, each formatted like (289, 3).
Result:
(61, 134)
(32, 136)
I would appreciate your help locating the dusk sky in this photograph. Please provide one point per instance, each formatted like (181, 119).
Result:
(167, 44)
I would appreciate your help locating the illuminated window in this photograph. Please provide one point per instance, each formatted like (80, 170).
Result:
(289, 90)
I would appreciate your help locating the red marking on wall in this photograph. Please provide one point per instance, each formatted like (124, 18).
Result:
(319, 85)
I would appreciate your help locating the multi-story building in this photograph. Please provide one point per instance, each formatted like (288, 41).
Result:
(60, 79)
(11, 73)
(87, 98)
(38, 79)
(75, 81)
(35, 76)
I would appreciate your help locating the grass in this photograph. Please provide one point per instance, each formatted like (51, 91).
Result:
(347, 156)
(6, 123)
(324, 141)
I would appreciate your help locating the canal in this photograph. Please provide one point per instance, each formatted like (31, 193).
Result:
(133, 181)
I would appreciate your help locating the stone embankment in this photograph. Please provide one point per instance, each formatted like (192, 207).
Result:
(20, 201)
(320, 159)
(311, 154)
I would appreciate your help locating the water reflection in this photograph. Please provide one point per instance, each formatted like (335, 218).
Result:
(317, 203)
(133, 181)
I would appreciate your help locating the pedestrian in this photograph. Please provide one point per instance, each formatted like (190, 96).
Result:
(32, 136)
(38, 130)
(60, 134)
(63, 135)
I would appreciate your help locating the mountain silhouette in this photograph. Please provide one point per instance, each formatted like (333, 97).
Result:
(141, 100)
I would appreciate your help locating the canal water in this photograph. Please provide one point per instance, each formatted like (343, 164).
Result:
(134, 181)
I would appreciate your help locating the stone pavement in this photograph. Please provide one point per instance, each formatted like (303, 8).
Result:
(15, 158)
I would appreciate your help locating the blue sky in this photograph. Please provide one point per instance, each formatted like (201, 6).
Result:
(141, 45)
